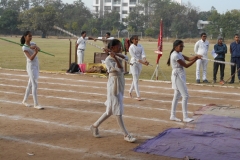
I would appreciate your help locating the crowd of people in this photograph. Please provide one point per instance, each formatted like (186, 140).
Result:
(116, 82)
(219, 50)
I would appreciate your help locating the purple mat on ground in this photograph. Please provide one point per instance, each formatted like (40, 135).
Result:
(215, 138)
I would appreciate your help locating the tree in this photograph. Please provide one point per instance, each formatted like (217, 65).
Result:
(9, 21)
(136, 20)
(215, 23)
(110, 20)
(76, 13)
(149, 32)
(38, 18)
(204, 15)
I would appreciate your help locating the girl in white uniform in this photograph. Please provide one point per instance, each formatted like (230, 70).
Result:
(115, 90)
(30, 50)
(138, 57)
(178, 78)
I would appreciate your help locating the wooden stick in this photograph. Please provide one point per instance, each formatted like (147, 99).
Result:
(233, 64)
(26, 46)
(230, 77)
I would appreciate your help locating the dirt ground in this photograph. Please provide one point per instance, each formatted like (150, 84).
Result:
(74, 102)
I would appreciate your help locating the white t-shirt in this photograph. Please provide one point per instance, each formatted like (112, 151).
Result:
(177, 69)
(137, 53)
(31, 52)
(201, 48)
(174, 58)
(82, 42)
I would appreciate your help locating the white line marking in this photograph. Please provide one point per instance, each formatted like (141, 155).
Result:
(161, 101)
(84, 128)
(100, 113)
(104, 88)
(95, 82)
(97, 102)
(83, 150)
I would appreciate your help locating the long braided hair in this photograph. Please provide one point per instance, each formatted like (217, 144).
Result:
(175, 44)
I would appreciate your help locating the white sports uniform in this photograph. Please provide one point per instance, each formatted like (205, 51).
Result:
(137, 53)
(201, 48)
(33, 73)
(115, 91)
(178, 79)
(81, 48)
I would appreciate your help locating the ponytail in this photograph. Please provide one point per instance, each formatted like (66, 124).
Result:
(175, 44)
(22, 40)
(169, 62)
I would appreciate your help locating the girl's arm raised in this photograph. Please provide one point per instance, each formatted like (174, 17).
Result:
(31, 57)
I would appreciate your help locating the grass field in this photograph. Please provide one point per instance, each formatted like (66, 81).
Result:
(12, 56)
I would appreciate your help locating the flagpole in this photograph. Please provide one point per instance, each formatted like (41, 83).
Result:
(159, 51)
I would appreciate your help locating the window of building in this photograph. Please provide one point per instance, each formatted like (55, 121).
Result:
(131, 9)
(97, 1)
(133, 1)
(107, 8)
(125, 4)
(96, 9)
(124, 12)
(117, 9)
(107, 1)
(116, 1)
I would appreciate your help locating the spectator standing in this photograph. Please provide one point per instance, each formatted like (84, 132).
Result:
(201, 48)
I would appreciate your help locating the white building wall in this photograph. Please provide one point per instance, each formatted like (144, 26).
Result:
(100, 6)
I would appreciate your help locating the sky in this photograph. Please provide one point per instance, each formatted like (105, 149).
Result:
(204, 5)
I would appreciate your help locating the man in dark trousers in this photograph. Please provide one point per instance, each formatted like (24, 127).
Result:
(220, 49)
(235, 57)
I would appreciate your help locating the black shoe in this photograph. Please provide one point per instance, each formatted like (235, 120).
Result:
(205, 81)
(231, 82)
(198, 81)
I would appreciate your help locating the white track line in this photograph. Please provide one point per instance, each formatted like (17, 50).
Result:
(100, 113)
(73, 150)
(66, 125)
(160, 101)
(98, 102)
(104, 88)
(95, 82)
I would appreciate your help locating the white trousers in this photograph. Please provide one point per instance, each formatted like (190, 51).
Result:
(119, 120)
(180, 91)
(33, 73)
(201, 63)
(135, 71)
(80, 55)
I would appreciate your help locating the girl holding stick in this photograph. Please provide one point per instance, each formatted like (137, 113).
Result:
(115, 90)
(178, 78)
(30, 50)
(138, 57)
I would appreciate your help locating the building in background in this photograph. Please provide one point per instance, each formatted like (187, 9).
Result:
(124, 7)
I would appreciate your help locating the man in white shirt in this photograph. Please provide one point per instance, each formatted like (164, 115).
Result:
(201, 48)
(81, 45)
(107, 39)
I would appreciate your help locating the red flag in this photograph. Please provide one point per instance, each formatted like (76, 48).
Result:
(160, 40)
